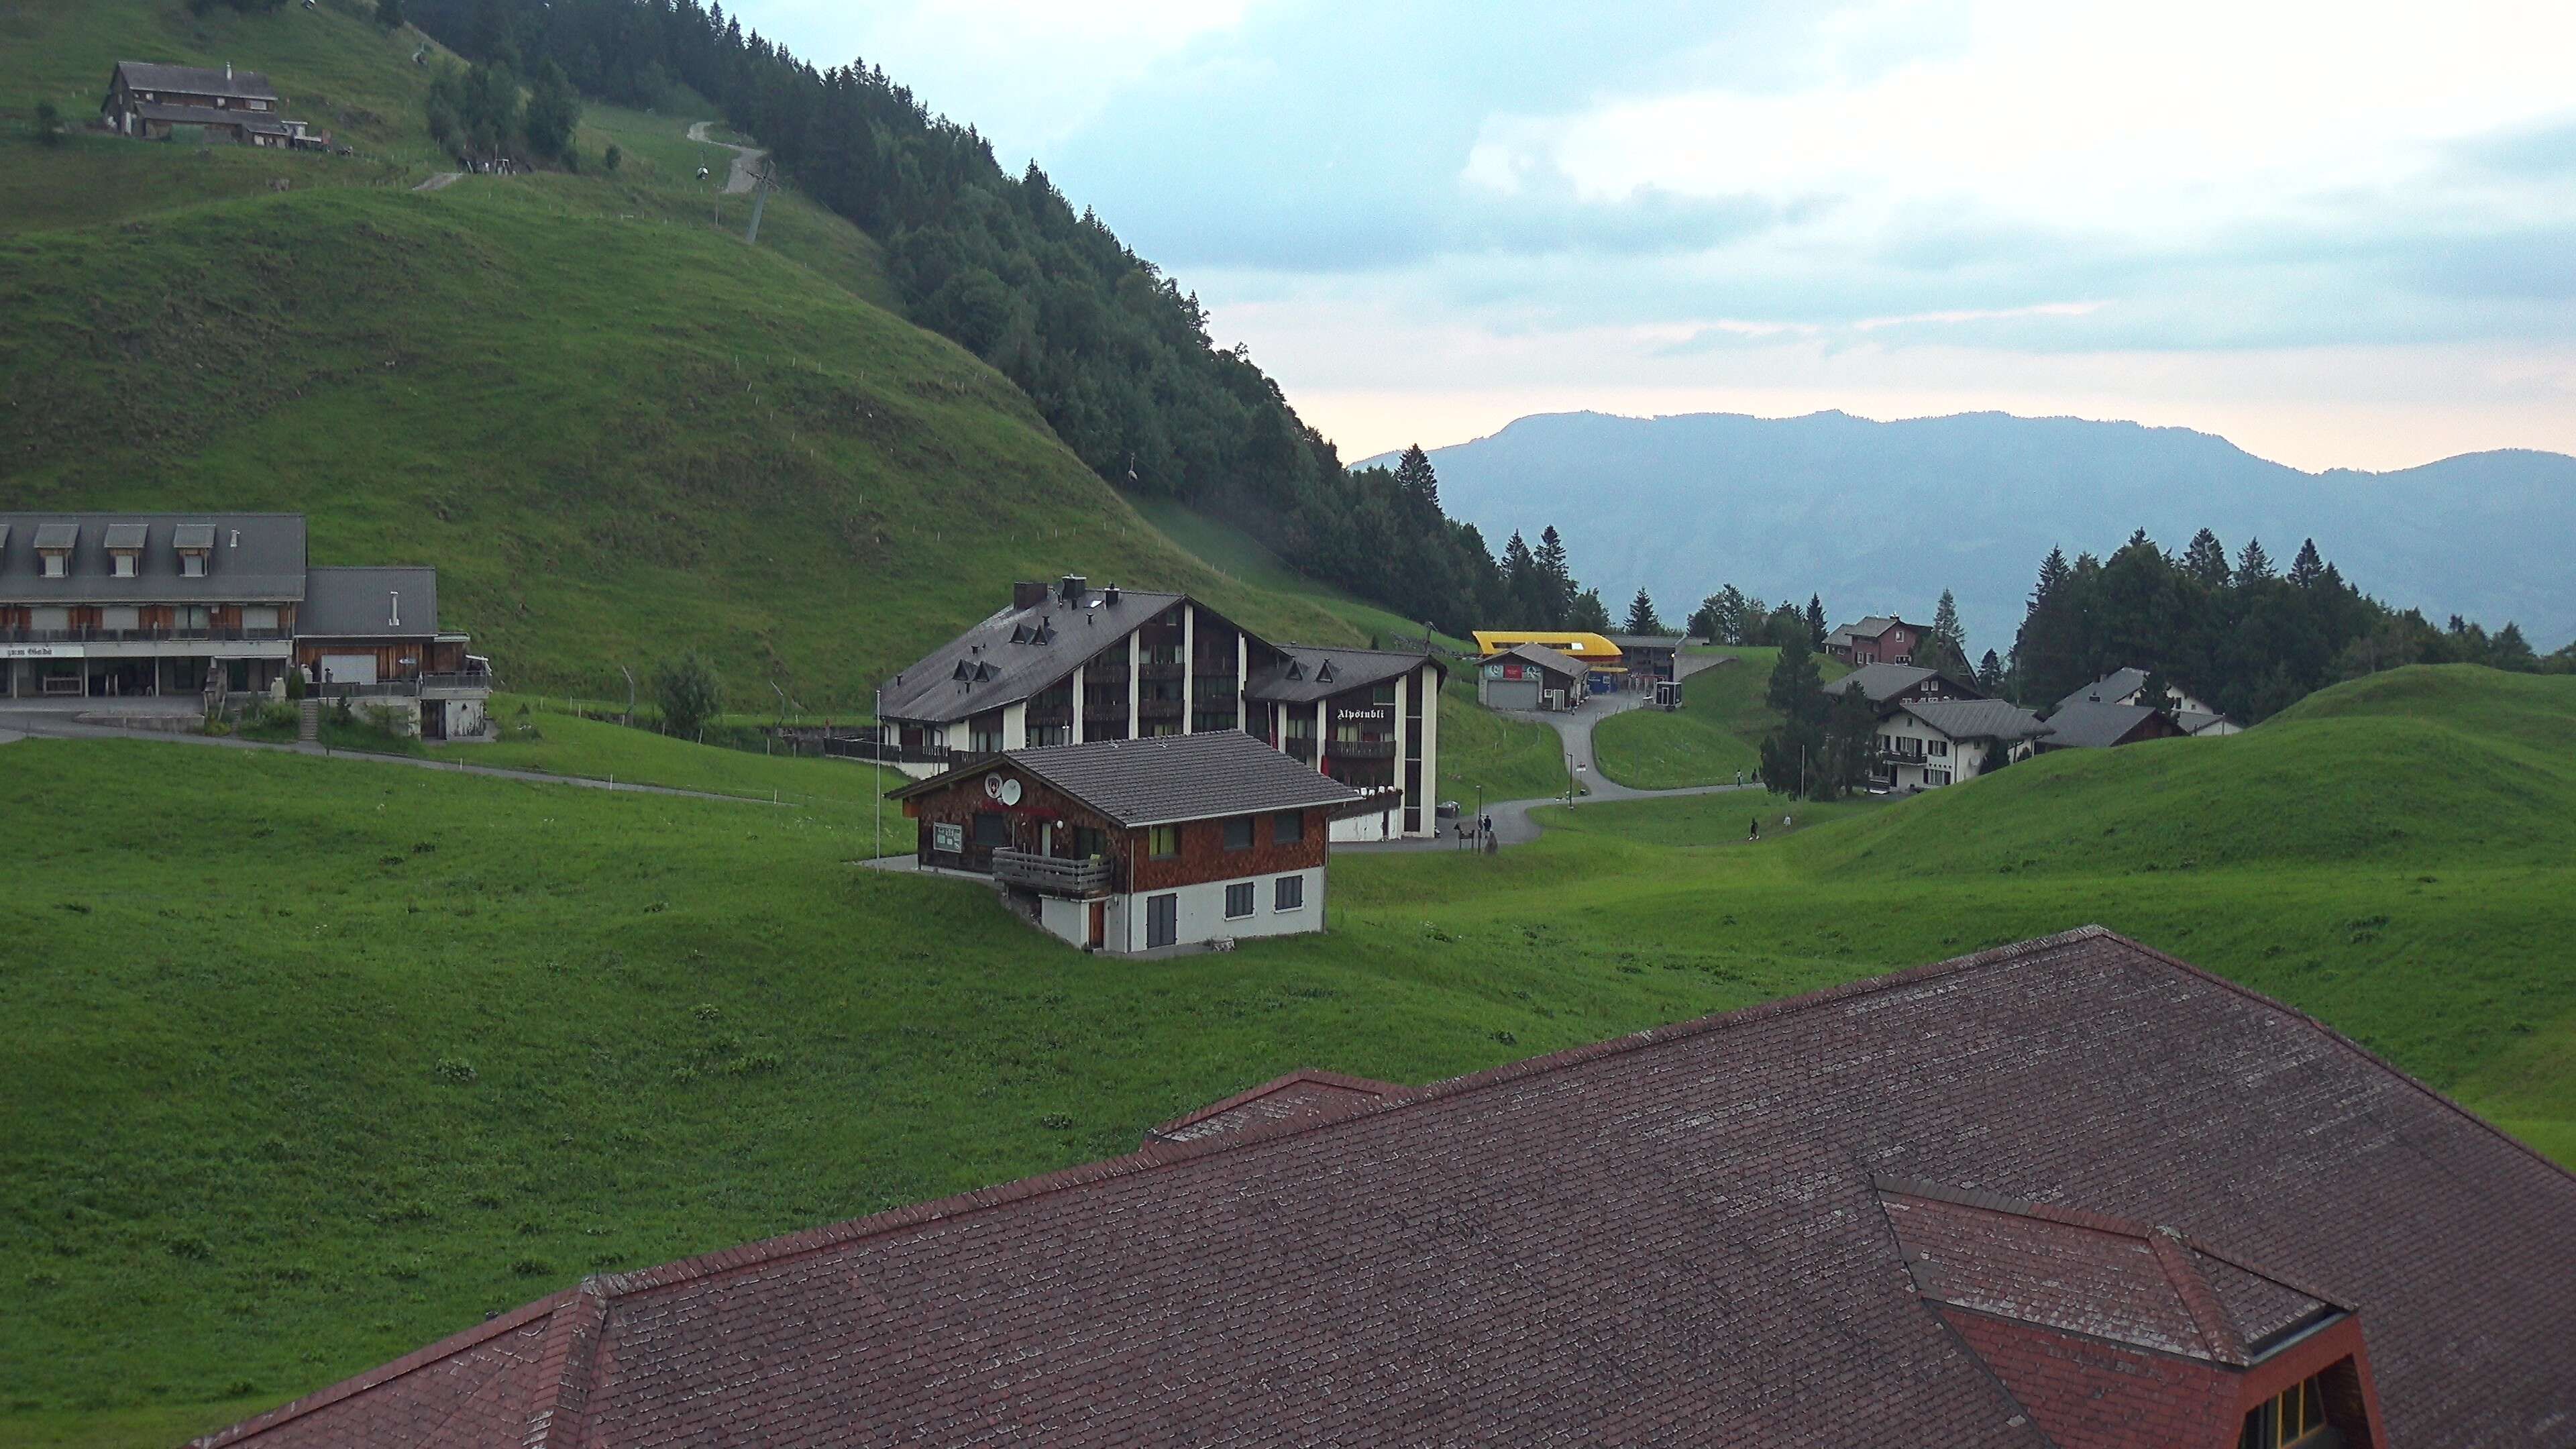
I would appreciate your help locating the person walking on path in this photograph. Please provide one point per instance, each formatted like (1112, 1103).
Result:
(1757, 829)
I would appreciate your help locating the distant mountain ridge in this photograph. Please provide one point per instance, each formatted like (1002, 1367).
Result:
(1881, 516)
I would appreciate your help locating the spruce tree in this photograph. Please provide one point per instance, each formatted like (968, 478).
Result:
(2307, 569)
(2253, 565)
(1851, 742)
(1557, 576)
(1990, 675)
(1816, 627)
(1641, 615)
(2509, 650)
(1588, 614)
(1413, 476)
(1949, 642)
(2206, 560)
(1796, 693)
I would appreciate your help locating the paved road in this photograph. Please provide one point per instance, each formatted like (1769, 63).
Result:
(58, 725)
(745, 158)
(1512, 822)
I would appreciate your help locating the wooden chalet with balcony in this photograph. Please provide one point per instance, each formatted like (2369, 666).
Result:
(1073, 664)
(159, 102)
(1134, 845)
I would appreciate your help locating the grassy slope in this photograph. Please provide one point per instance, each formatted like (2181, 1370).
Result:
(1717, 731)
(616, 430)
(232, 1159)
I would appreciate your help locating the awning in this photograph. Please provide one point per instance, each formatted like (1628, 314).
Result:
(123, 536)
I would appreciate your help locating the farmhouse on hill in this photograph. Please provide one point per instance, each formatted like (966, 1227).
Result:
(223, 605)
(2128, 686)
(156, 101)
(2168, 1214)
(2091, 725)
(1074, 664)
(1875, 640)
(1140, 845)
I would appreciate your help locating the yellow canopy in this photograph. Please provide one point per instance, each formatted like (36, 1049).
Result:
(1592, 649)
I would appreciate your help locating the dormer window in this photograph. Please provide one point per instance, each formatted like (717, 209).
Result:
(124, 545)
(2296, 1415)
(54, 545)
(121, 565)
(192, 565)
(58, 565)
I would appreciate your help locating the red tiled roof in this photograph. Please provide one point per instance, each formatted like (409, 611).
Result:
(1298, 1096)
(1673, 1236)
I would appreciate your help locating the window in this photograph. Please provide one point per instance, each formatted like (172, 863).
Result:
(992, 829)
(1288, 827)
(1288, 893)
(1089, 844)
(1238, 900)
(122, 565)
(1936, 777)
(2288, 1417)
(1164, 842)
(192, 566)
(1383, 694)
(259, 616)
(1238, 836)
(57, 565)
(1162, 920)
(189, 616)
(1937, 748)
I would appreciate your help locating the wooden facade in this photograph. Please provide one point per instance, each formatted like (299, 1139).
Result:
(1046, 821)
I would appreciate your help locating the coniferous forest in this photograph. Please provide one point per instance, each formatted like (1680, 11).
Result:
(1115, 354)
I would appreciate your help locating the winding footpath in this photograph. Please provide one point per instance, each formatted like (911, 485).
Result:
(745, 158)
(1513, 824)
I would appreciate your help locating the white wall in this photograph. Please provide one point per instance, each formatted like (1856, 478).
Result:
(1201, 913)
(1963, 758)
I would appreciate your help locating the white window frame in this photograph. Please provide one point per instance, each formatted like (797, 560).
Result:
(192, 565)
(57, 566)
(1284, 887)
(123, 564)
(1251, 900)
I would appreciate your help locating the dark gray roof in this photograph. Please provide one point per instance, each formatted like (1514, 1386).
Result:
(209, 116)
(256, 558)
(146, 75)
(1308, 672)
(1977, 719)
(2111, 688)
(1015, 653)
(1545, 658)
(359, 603)
(2193, 721)
(1648, 641)
(1881, 681)
(2090, 726)
(1167, 779)
(1869, 628)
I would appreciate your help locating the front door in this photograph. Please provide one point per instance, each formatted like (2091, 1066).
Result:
(1162, 920)
(433, 719)
(1099, 924)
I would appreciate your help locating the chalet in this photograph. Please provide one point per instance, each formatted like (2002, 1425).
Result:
(1927, 743)
(1651, 658)
(2092, 725)
(2067, 1194)
(1368, 718)
(1531, 676)
(2125, 686)
(1891, 684)
(1875, 640)
(221, 604)
(1137, 845)
(155, 102)
(1073, 664)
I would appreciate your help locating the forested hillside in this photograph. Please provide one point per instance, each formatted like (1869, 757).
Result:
(1115, 354)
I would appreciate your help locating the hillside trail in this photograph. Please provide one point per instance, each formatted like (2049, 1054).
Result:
(56, 725)
(441, 181)
(742, 177)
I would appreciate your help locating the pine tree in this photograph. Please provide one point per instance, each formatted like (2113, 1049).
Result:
(1851, 741)
(1588, 614)
(2509, 650)
(1990, 675)
(1816, 627)
(1796, 693)
(1523, 586)
(2206, 560)
(1641, 615)
(2307, 569)
(1949, 643)
(1413, 476)
(2253, 565)
(1557, 576)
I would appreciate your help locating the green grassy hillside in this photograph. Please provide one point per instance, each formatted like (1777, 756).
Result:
(1717, 731)
(378, 1050)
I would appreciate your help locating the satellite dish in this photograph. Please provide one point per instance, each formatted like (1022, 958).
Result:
(1010, 792)
(992, 787)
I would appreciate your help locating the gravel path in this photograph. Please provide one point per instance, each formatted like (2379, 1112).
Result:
(441, 181)
(745, 158)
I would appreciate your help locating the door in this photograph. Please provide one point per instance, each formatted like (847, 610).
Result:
(1099, 924)
(433, 719)
(1162, 920)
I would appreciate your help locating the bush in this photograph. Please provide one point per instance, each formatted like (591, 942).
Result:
(295, 684)
(689, 692)
(614, 159)
(49, 123)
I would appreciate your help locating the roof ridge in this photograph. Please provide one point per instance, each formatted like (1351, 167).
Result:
(2355, 1048)
(2208, 1315)
(1385, 1091)
(564, 1364)
(382, 1374)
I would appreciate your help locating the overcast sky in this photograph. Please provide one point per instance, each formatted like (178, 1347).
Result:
(2340, 232)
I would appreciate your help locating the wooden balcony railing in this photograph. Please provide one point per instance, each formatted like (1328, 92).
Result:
(1078, 879)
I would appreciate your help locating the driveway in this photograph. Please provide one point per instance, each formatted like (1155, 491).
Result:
(745, 158)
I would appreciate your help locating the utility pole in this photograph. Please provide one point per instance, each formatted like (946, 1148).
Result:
(876, 774)
(767, 181)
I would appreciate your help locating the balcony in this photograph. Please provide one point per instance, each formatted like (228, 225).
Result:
(1080, 880)
(1151, 670)
(143, 636)
(425, 684)
(1299, 749)
(1042, 718)
(1363, 749)
(1158, 709)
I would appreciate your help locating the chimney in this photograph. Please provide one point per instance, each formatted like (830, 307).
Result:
(395, 622)
(1109, 596)
(1074, 587)
(1027, 595)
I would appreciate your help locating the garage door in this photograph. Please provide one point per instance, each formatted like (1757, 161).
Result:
(348, 669)
(1512, 693)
